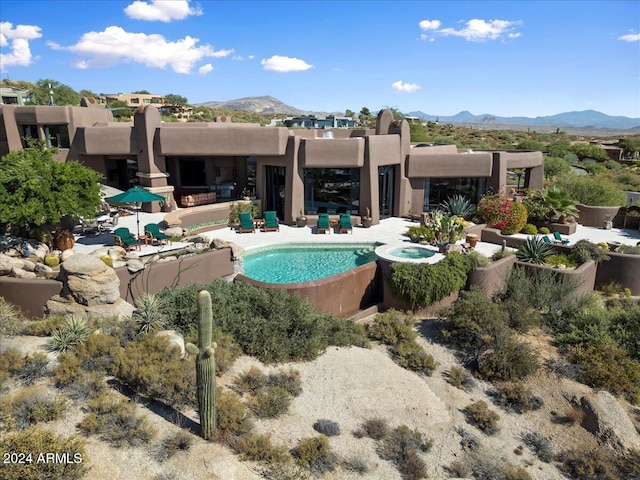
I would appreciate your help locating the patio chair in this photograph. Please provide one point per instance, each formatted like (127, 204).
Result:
(271, 222)
(558, 238)
(153, 233)
(246, 223)
(546, 239)
(345, 223)
(124, 239)
(324, 225)
(89, 225)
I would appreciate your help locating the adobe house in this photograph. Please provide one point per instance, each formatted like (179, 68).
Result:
(312, 170)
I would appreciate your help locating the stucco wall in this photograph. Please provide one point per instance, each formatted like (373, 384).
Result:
(620, 268)
(491, 278)
(29, 295)
(342, 295)
(332, 153)
(591, 216)
(202, 269)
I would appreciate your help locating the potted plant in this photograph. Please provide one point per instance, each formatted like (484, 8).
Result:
(559, 204)
(366, 220)
(301, 221)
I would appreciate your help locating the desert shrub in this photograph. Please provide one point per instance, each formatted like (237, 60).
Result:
(419, 233)
(477, 260)
(233, 417)
(376, 428)
(288, 379)
(147, 315)
(534, 250)
(516, 220)
(584, 250)
(43, 328)
(501, 253)
(251, 381)
(31, 405)
(628, 249)
(421, 284)
(571, 415)
(460, 378)
(540, 445)
(37, 441)
(173, 443)
(99, 353)
(152, 367)
(270, 402)
(517, 397)
(286, 471)
(509, 359)
(459, 469)
(267, 323)
(327, 427)
(412, 356)
(86, 386)
(544, 231)
(608, 366)
(226, 352)
(115, 421)
(480, 415)
(592, 191)
(315, 454)
(401, 447)
(67, 369)
(73, 331)
(355, 463)
(468, 441)
(258, 447)
(10, 318)
(512, 472)
(471, 320)
(521, 316)
(392, 327)
(562, 259)
(613, 289)
(584, 463)
(34, 366)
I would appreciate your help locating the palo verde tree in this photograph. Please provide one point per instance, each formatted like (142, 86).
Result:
(36, 189)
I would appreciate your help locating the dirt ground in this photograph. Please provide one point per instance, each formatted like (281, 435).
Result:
(348, 386)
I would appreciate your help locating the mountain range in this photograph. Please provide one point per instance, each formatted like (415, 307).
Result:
(583, 119)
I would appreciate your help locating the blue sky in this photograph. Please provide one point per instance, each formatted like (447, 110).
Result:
(508, 58)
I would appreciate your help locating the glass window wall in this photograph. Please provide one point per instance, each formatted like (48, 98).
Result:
(437, 190)
(331, 190)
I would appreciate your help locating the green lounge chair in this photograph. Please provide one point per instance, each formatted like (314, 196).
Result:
(345, 223)
(124, 238)
(271, 222)
(546, 239)
(324, 225)
(153, 233)
(246, 223)
(559, 239)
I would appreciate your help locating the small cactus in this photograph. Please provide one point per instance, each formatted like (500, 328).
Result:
(107, 259)
(52, 260)
(205, 366)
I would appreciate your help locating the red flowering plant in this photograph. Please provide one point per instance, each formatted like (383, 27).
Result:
(495, 210)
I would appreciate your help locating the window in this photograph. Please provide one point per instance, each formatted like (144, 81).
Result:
(57, 136)
(10, 100)
(26, 132)
(437, 190)
(331, 189)
(192, 172)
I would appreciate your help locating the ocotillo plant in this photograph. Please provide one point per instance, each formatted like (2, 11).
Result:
(205, 366)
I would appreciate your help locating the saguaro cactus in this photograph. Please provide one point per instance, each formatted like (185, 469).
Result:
(205, 366)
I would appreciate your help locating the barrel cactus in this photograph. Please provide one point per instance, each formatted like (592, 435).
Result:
(205, 366)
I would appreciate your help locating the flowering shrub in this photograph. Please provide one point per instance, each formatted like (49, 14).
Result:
(495, 210)
(517, 219)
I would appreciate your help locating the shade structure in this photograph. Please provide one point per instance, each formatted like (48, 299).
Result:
(136, 195)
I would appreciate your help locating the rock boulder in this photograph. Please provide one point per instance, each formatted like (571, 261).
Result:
(607, 419)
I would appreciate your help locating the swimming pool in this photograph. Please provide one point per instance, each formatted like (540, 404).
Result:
(295, 263)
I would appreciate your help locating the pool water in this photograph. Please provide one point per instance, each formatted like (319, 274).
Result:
(304, 263)
(412, 252)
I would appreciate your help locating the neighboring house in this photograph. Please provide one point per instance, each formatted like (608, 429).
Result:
(311, 121)
(14, 96)
(135, 100)
(287, 170)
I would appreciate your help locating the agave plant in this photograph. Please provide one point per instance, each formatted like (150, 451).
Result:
(148, 316)
(74, 331)
(534, 250)
(458, 205)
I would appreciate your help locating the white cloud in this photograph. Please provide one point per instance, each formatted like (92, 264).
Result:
(630, 37)
(400, 86)
(203, 70)
(251, 57)
(278, 63)
(476, 30)
(239, 58)
(17, 39)
(429, 24)
(161, 10)
(114, 45)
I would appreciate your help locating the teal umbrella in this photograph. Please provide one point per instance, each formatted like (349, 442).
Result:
(136, 195)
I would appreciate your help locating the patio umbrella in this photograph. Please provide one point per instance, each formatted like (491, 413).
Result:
(135, 195)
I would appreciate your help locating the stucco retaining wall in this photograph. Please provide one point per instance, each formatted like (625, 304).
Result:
(342, 294)
(584, 275)
(492, 278)
(29, 295)
(202, 269)
(620, 268)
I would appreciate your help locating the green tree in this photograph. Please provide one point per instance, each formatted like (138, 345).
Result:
(397, 114)
(88, 93)
(418, 132)
(349, 113)
(36, 189)
(120, 109)
(559, 148)
(62, 94)
(585, 150)
(365, 117)
(534, 145)
(554, 167)
(631, 146)
(142, 92)
(173, 99)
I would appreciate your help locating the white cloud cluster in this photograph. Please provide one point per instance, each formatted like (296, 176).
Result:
(476, 29)
(630, 37)
(400, 86)
(115, 45)
(203, 70)
(17, 39)
(279, 63)
(160, 10)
